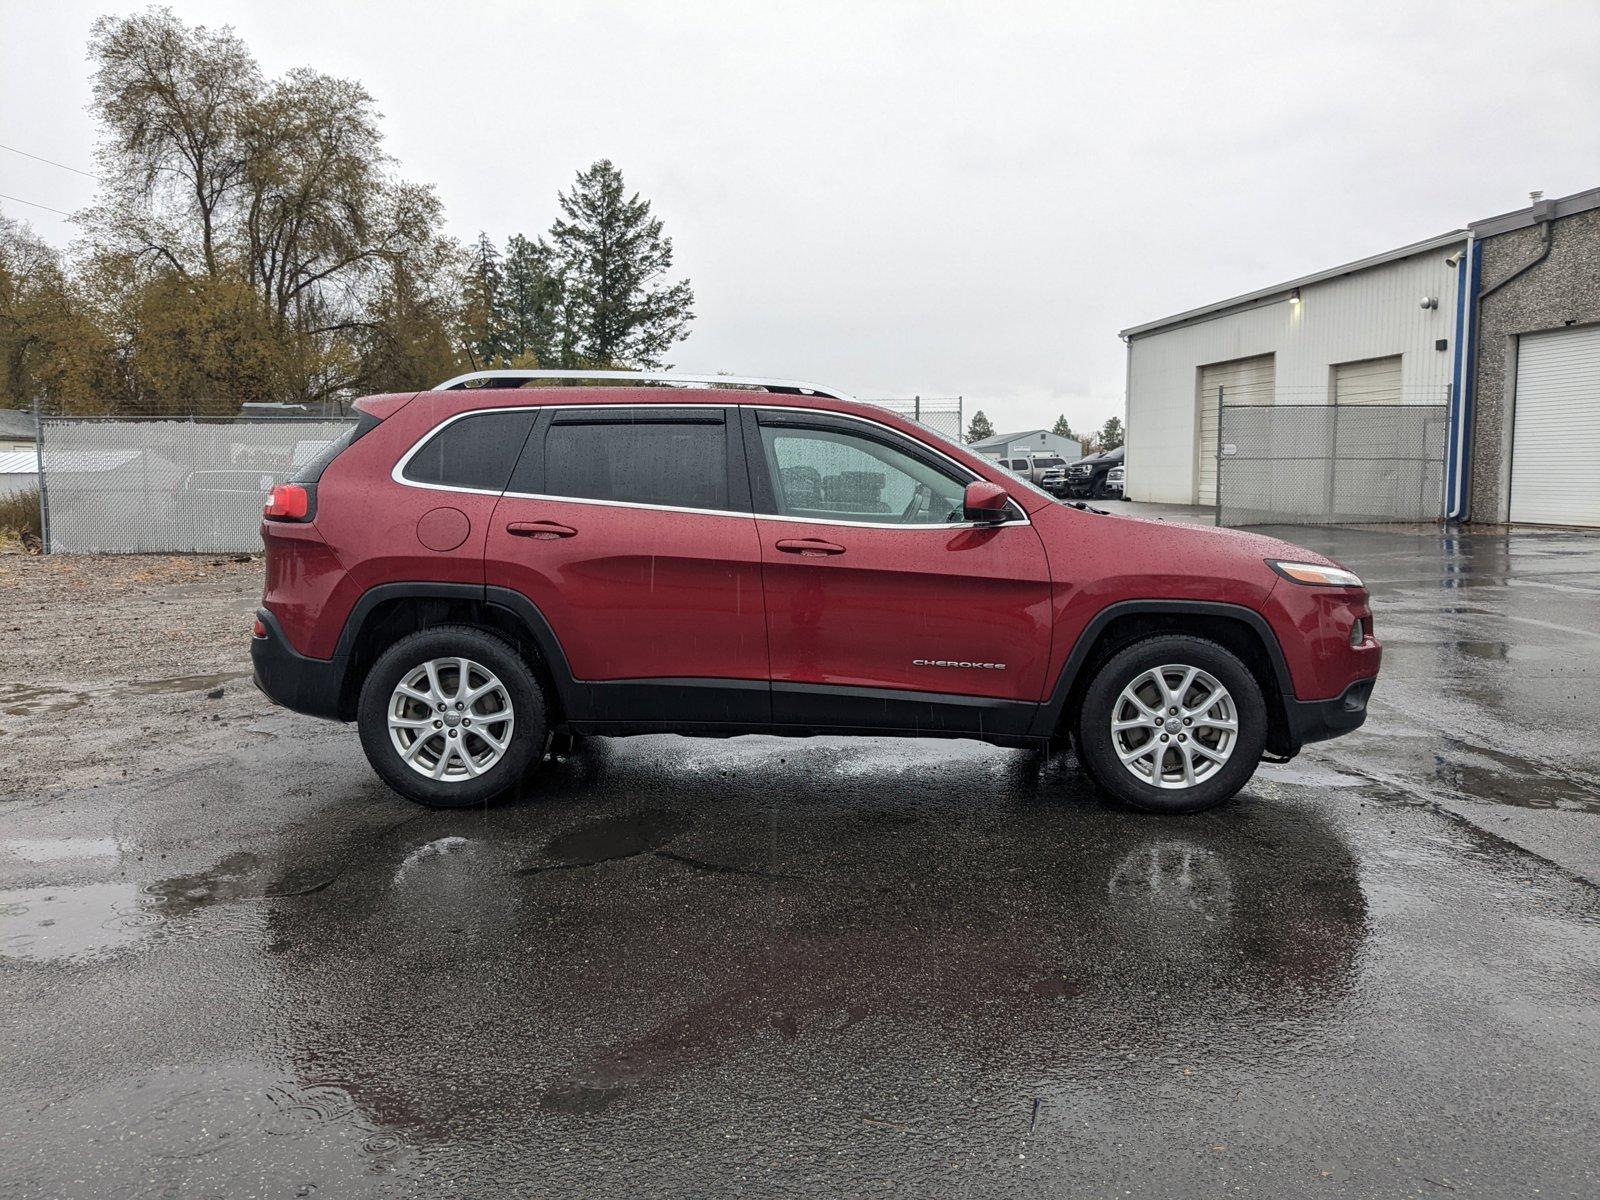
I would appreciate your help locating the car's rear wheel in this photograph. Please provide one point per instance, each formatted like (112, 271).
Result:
(451, 716)
(1172, 724)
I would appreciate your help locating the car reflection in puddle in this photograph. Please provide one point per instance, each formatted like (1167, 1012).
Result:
(560, 959)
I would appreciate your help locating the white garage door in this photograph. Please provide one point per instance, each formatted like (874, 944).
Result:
(1555, 448)
(1371, 381)
(1242, 381)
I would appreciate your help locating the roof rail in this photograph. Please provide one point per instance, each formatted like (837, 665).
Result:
(511, 379)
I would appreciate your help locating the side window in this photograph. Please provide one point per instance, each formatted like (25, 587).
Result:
(681, 463)
(474, 451)
(829, 474)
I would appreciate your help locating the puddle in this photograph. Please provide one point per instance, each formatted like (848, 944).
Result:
(166, 1130)
(440, 848)
(1482, 774)
(238, 877)
(1308, 774)
(40, 850)
(26, 699)
(178, 683)
(67, 923)
(1174, 875)
(611, 838)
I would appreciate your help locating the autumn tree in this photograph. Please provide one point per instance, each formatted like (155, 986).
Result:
(51, 348)
(260, 212)
(618, 306)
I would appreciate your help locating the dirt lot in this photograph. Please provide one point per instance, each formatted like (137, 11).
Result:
(103, 660)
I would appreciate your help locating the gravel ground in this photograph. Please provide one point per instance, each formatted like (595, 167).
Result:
(114, 661)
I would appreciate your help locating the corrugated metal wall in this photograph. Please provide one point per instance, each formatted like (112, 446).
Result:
(1375, 313)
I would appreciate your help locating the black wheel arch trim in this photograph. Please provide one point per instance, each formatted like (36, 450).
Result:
(523, 611)
(1050, 712)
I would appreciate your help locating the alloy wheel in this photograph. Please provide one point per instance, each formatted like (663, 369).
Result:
(450, 719)
(1174, 726)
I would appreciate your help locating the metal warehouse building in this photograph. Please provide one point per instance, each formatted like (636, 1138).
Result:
(1458, 376)
(1381, 331)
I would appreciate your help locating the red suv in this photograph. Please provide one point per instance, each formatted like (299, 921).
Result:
(474, 568)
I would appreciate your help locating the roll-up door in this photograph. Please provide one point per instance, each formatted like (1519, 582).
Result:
(1242, 381)
(1371, 381)
(1555, 448)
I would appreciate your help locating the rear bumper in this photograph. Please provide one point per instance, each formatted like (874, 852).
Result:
(1319, 720)
(313, 686)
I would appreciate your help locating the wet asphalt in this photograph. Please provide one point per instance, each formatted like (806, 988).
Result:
(834, 967)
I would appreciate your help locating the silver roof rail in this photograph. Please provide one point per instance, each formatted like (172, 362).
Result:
(511, 379)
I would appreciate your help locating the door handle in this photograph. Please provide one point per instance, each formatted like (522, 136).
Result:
(544, 530)
(810, 547)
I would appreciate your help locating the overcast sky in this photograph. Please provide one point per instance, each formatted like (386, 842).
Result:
(935, 198)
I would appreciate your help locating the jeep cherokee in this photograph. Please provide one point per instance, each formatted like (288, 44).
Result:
(475, 568)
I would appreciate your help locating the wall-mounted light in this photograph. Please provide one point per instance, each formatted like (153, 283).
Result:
(1429, 302)
(1294, 296)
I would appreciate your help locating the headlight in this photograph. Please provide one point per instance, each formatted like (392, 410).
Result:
(1313, 574)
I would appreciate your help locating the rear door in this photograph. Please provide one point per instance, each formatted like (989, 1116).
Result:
(629, 527)
(874, 580)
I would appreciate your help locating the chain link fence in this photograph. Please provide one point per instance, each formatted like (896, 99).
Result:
(196, 485)
(1330, 464)
(121, 486)
(940, 413)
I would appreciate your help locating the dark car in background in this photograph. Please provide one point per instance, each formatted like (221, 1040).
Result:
(1086, 478)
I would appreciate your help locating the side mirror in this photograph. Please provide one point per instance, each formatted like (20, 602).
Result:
(985, 502)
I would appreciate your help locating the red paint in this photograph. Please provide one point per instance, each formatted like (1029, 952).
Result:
(443, 529)
(634, 592)
(637, 593)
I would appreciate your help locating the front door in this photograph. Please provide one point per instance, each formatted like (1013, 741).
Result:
(630, 529)
(875, 582)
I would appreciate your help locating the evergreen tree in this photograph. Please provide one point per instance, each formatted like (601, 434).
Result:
(483, 304)
(1111, 433)
(1062, 429)
(531, 296)
(613, 261)
(979, 428)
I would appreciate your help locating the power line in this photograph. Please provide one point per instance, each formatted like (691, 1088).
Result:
(20, 200)
(51, 161)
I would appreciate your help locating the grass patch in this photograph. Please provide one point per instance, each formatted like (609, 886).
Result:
(19, 519)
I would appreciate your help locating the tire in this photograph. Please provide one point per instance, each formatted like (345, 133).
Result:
(509, 711)
(1152, 670)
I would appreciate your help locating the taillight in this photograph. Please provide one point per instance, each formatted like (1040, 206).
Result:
(288, 502)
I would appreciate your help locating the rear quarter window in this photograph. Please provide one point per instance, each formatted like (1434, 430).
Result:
(476, 451)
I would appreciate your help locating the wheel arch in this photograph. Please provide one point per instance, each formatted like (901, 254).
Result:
(1238, 629)
(390, 611)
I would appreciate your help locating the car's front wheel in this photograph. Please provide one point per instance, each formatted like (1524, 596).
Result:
(1172, 724)
(451, 716)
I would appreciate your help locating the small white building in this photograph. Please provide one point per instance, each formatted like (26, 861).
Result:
(1383, 330)
(19, 471)
(1028, 441)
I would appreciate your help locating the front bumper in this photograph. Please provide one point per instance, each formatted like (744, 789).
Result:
(313, 686)
(1319, 720)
